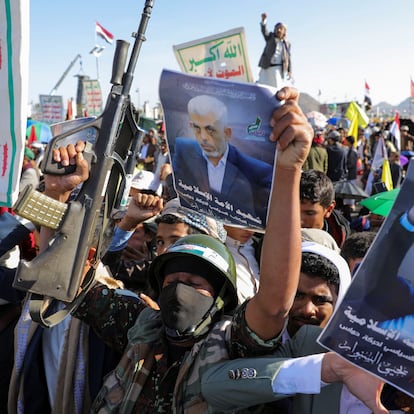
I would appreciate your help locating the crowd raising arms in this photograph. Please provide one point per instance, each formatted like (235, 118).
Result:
(266, 312)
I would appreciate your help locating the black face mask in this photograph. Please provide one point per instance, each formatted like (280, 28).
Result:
(182, 308)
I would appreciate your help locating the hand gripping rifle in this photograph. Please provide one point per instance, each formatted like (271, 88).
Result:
(57, 272)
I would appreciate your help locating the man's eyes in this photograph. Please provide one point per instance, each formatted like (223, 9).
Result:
(316, 300)
(322, 300)
(210, 130)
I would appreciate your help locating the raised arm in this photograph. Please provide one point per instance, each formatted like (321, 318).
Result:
(281, 255)
(263, 27)
(140, 208)
(252, 381)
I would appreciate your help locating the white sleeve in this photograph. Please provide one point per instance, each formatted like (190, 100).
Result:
(291, 379)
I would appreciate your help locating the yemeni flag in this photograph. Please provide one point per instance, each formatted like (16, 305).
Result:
(395, 130)
(102, 32)
(367, 98)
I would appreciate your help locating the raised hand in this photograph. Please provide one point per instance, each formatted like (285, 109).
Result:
(59, 187)
(140, 208)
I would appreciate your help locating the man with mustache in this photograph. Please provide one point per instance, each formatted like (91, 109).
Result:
(324, 278)
(213, 165)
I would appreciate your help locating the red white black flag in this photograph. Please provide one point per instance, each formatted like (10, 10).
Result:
(102, 32)
(367, 98)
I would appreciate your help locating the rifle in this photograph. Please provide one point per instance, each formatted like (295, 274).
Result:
(57, 272)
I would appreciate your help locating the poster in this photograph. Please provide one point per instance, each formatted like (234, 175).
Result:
(14, 76)
(93, 95)
(374, 325)
(239, 194)
(223, 56)
(52, 108)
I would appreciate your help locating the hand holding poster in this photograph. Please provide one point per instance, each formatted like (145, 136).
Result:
(222, 158)
(374, 325)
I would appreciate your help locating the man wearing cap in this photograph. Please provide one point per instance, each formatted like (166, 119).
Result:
(145, 181)
(168, 350)
(336, 157)
(275, 62)
(169, 222)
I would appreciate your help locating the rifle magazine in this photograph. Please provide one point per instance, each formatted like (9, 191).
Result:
(39, 208)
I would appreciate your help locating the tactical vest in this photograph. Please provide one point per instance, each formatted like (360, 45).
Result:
(123, 386)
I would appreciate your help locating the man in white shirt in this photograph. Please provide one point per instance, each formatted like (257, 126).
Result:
(275, 62)
(317, 297)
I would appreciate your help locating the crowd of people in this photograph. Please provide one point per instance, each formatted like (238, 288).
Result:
(343, 158)
(188, 314)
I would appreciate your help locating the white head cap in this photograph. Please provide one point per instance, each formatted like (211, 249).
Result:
(337, 260)
(146, 180)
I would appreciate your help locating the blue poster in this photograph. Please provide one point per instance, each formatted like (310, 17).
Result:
(218, 137)
(374, 324)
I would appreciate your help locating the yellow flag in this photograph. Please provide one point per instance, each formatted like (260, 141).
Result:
(386, 177)
(354, 110)
(353, 129)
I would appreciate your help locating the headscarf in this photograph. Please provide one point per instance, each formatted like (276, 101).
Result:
(337, 260)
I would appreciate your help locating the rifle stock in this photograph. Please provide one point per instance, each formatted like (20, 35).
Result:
(57, 272)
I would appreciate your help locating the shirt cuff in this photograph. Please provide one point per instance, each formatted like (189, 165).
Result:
(119, 239)
(290, 379)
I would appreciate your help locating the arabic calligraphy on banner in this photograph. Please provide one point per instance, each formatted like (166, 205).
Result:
(373, 327)
(52, 108)
(93, 96)
(14, 80)
(222, 56)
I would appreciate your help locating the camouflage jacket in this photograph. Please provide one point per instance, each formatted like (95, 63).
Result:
(144, 383)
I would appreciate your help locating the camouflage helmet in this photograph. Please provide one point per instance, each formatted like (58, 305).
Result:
(213, 255)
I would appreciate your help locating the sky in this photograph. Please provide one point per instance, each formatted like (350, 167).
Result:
(336, 46)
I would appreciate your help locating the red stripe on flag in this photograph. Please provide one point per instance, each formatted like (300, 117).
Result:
(102, 32)
(32, 136)
(5, 159)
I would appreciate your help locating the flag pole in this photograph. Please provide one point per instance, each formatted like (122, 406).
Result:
(96, 57)
(97, 67)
